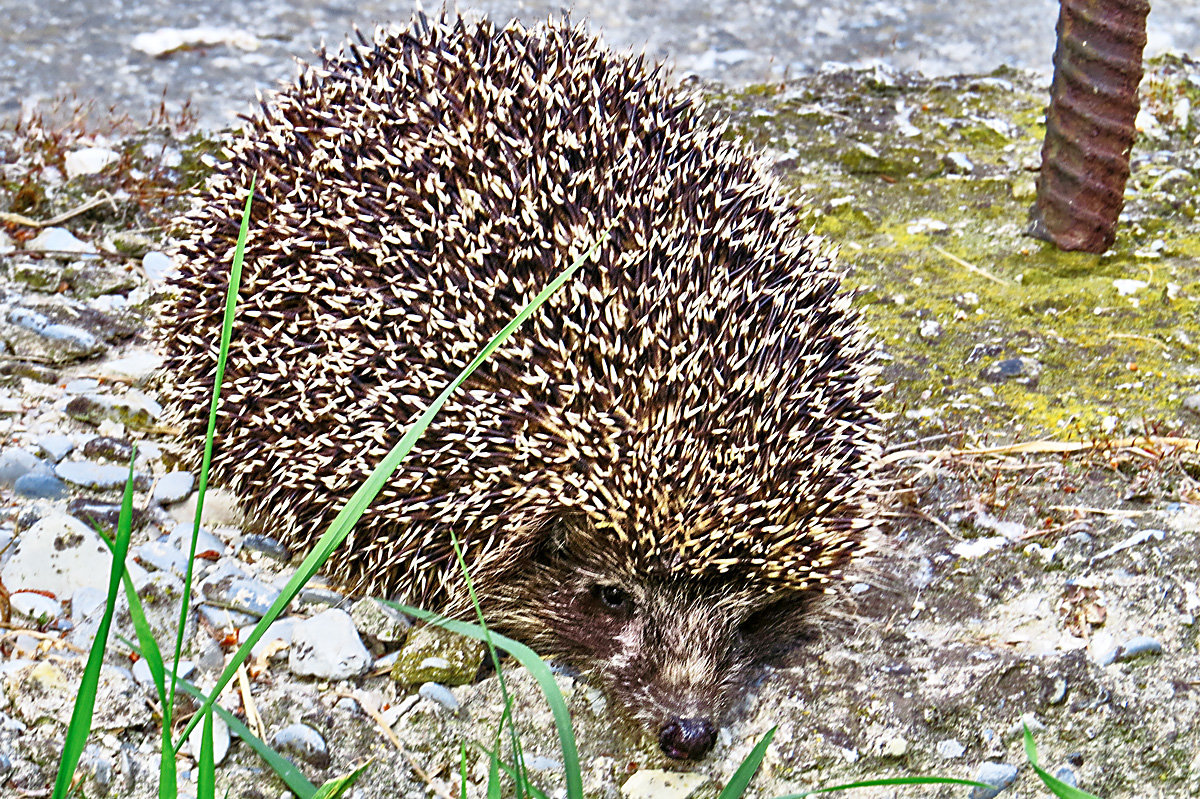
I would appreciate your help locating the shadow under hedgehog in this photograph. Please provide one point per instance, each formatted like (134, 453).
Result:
(656, 476)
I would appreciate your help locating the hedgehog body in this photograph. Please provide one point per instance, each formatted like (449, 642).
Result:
(655, 476)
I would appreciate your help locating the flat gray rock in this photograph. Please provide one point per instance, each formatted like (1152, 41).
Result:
(173, 487)
(90, 474)
(59, 555)
(328, 646)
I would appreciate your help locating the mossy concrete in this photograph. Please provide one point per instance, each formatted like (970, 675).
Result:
(926, 184)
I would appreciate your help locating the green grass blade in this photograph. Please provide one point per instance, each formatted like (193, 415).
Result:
(235, 282)
(206, 767)
(1056, 786)
(462, 770)
(890, 781)
(336, 787)
(493, 786)
(745, 772)
(540, 672)
(168, 787)
(85, 701)
(345, 520)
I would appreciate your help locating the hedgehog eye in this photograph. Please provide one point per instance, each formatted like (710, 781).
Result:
(612, 597)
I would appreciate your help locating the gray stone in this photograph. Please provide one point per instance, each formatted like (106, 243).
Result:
(1136, 647)
(55, 446)
(328, 646)
(45, 276)
(136, 366)
(93, 512)
(302, 741)
(265, 545)
(280, 631)
(207, 545)
(59, 554)
(133, 409)
(108, 448)
(90, 280)
(949, 749)
(161, 556)
(40, 486)
(49, 335)
(45, 326)
(90, 474)
(223, 618)
(173, 487)
(999, 775)
(436, 692)
(85, 602)
(315, 595)
(38, 608)
(1192, 403)
(15, 463)
(243, 594)
(1025, 371)
(379, 623)
(98, 767)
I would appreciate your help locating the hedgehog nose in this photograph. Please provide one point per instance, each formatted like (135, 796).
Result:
(687, 739)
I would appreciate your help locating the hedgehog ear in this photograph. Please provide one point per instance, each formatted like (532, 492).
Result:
(788, 619)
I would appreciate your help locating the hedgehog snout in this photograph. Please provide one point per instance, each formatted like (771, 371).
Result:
(688, 738)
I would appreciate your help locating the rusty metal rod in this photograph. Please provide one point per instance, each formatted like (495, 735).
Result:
(1090, 123)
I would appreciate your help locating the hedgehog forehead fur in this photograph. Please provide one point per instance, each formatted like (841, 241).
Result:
(696, 401)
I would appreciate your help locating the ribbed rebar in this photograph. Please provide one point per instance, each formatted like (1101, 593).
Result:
(1090, 122)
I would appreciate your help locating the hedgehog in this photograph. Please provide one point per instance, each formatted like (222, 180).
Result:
(657, 478)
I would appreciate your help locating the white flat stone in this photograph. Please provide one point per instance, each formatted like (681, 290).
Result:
(655, 784)
(36, 607)
(173, 487)
(57, 239)
(158, 43)
(157, 266)
(328, 646)
(89, 160)
(135, 366)
(220, 739)
(59, 554)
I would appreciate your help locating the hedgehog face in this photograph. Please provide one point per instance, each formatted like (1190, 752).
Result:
(672, 653)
